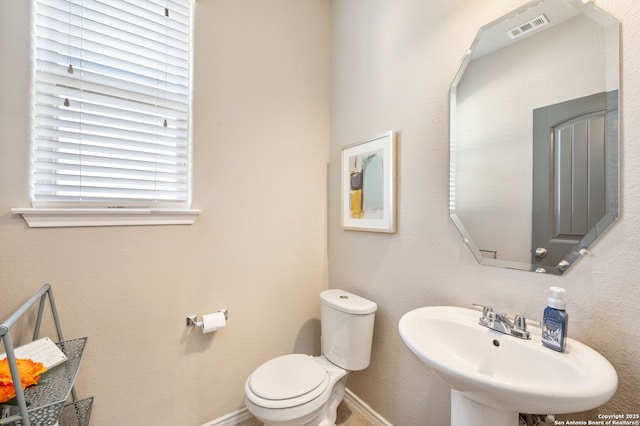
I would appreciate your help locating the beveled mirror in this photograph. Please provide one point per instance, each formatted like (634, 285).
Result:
(534, 146)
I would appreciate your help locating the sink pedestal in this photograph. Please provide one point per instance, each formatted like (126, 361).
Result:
(465, 412)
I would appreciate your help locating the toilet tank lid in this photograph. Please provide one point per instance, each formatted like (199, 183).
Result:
(347, 302)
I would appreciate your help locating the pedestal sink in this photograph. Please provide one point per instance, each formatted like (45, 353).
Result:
(494, 376)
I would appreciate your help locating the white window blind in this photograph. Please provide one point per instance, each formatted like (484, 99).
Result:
(111, 106)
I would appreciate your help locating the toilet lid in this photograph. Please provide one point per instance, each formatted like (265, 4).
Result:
(286, 377)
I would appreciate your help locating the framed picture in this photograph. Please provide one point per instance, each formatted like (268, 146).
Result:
(369, 184)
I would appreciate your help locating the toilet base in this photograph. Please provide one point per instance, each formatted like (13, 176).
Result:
(329, 412)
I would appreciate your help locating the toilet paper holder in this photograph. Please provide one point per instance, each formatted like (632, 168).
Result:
(192, 320)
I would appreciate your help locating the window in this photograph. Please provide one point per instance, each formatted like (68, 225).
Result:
(111, 107)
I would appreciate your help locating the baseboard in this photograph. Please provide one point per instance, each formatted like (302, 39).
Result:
(350, 398)
(365, 409)
(231, 419)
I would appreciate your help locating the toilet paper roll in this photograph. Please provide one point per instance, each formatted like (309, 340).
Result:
(213, 322)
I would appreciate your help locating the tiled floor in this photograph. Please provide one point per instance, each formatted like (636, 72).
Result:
(347, 416)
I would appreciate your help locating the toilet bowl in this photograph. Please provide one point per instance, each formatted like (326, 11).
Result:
(299, 389)
(296, 389)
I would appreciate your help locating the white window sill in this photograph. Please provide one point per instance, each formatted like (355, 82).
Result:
(54, 218)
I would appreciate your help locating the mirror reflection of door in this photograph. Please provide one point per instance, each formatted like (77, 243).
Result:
(569, 178)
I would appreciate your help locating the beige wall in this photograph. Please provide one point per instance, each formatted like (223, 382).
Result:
(261, 118)
(259, 248)
(392, 66)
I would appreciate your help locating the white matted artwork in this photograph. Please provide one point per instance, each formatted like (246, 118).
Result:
(368, 184)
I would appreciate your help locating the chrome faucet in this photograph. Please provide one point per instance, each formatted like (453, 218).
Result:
(502, 324)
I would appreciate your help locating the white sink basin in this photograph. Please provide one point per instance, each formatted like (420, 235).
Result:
(504, 374)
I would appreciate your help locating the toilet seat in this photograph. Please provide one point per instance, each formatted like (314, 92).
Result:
(287, 381)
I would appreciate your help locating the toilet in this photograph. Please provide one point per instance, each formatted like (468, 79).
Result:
(299, 389)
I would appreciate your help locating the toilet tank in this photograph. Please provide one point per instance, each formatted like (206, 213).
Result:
(347, 328)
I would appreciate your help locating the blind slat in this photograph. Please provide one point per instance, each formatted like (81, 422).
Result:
(49, 96)
(102, 80)
(156, 67)
(52, 107)
(106, 158)
(98, 128)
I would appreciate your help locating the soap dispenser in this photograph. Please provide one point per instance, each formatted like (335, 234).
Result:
(555, 320)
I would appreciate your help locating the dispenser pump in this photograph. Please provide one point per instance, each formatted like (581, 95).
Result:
(556, 298)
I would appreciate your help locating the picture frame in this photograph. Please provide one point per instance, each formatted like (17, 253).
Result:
(369, 184)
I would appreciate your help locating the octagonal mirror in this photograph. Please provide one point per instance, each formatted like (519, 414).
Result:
(534, 141)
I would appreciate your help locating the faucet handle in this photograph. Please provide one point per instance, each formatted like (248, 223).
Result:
(520, 327)
(487, 311)
(520, 322)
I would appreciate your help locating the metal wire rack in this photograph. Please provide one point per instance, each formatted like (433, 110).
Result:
(44, 404)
